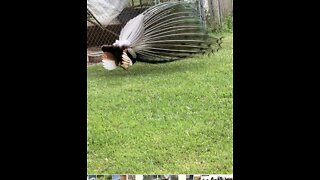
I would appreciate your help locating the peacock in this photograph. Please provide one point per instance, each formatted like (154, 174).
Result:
(163, 33)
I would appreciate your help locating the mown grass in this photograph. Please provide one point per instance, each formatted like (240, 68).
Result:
(173, 118)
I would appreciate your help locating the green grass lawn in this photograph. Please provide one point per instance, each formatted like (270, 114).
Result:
(173, 118)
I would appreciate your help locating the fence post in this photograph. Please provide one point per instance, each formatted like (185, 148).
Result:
(220, 16)
(215, 12)
(210, 4)
(232, 7)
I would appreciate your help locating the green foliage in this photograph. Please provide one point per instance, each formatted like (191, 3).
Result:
(227, 24)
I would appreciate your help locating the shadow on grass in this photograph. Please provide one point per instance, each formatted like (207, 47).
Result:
(145, 69)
